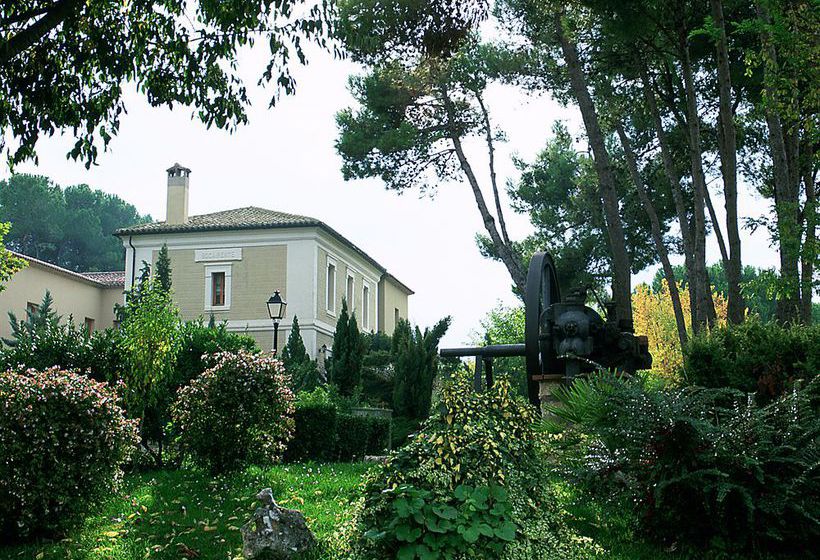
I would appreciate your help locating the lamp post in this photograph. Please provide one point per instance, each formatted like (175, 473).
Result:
(276, 310)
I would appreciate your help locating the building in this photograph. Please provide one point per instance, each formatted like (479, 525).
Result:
(87, 297)
(227, 264)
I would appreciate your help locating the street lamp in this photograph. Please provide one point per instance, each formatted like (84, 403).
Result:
(276, 310)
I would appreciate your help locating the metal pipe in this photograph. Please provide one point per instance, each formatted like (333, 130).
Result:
(490, 351)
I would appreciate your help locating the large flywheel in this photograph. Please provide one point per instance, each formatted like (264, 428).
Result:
(542, 292)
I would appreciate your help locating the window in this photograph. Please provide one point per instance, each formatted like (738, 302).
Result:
(366, 307)
(396, 316)
(217, 289)
(32, 308)
(351, 292)
(331, 288)
(89, 325)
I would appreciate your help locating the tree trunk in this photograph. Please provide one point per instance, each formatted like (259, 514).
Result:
(705, 305)
(809, 252)
(505, 252)
(724, 254)
(677, 192)
(786, 195)
(727, 142)
(657, 234)
(621, 268)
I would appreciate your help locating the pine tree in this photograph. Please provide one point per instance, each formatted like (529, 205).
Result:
(163, 269)
(40, 318)
(348, 351)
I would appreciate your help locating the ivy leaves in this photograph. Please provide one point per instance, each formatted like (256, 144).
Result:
(427, 526)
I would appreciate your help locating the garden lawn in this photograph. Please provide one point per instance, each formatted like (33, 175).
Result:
(188, 514)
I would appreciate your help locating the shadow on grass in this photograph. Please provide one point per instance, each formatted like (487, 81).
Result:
(188, 514)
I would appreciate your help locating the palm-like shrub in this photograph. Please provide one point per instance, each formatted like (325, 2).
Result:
(63, 438)
(703, 465)
(239, 411)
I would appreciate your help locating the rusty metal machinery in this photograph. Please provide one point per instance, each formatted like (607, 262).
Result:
(562, 338)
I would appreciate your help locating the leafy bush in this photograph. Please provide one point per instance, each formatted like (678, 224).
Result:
(63, 438)
(754, 357)
(700, 465)
(314, 437)
(198, 341)
(357, 436)
(469, 485)
(239, 411)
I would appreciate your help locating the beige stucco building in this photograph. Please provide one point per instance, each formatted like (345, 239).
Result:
(88, 298)
(226, 265)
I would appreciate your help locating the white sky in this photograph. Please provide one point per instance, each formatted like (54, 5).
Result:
(284, 159)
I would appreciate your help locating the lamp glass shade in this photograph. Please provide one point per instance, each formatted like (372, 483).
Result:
(276, 306)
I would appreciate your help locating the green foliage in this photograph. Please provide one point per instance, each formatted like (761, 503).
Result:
(180, 53)
(9, 263)
(754, 357)
(63, 438)
(42, 341)
(163, 269)
(314, 436)
(415, 355)
(238, 412)
(149, 341)
(357, 436)
(327, 431)
(474, 479)
(702, 466)
(505, 325)
(405, 29)
(476, 515)
(69, 227)
(348, 353)
(199, 341)
(304, 372)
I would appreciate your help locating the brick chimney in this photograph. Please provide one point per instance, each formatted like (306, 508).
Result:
(177, 209)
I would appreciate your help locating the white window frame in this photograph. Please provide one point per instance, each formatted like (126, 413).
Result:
(209, 272)
(350, 291)
(330, 297)
(366, 305)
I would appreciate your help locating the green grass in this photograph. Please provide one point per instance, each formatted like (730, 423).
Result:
(186, 514)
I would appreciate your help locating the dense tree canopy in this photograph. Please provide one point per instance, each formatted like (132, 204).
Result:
(69, 227)
(64, 64)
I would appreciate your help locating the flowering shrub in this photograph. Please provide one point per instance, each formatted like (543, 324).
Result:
(238, 411)
(63, 438)
(470, 484)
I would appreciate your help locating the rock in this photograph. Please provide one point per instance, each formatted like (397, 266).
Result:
(275, 532)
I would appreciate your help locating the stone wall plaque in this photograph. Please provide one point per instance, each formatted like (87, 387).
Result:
(207, 255)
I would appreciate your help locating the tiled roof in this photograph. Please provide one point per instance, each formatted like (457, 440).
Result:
(114, 278)
(100, 279)
(250, 217)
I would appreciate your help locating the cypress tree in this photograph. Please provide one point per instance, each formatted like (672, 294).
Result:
(348, 351)
(294, 353)
(415, 362)
(163, 269)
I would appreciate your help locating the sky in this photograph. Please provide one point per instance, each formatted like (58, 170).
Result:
(284, 159)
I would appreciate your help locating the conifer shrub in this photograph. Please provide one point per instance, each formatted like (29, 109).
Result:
(237, 412)
(63, 438)
(470, 484)
(703, 467)
(754, 357)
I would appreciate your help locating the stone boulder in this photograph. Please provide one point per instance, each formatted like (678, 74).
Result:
(274, 532)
